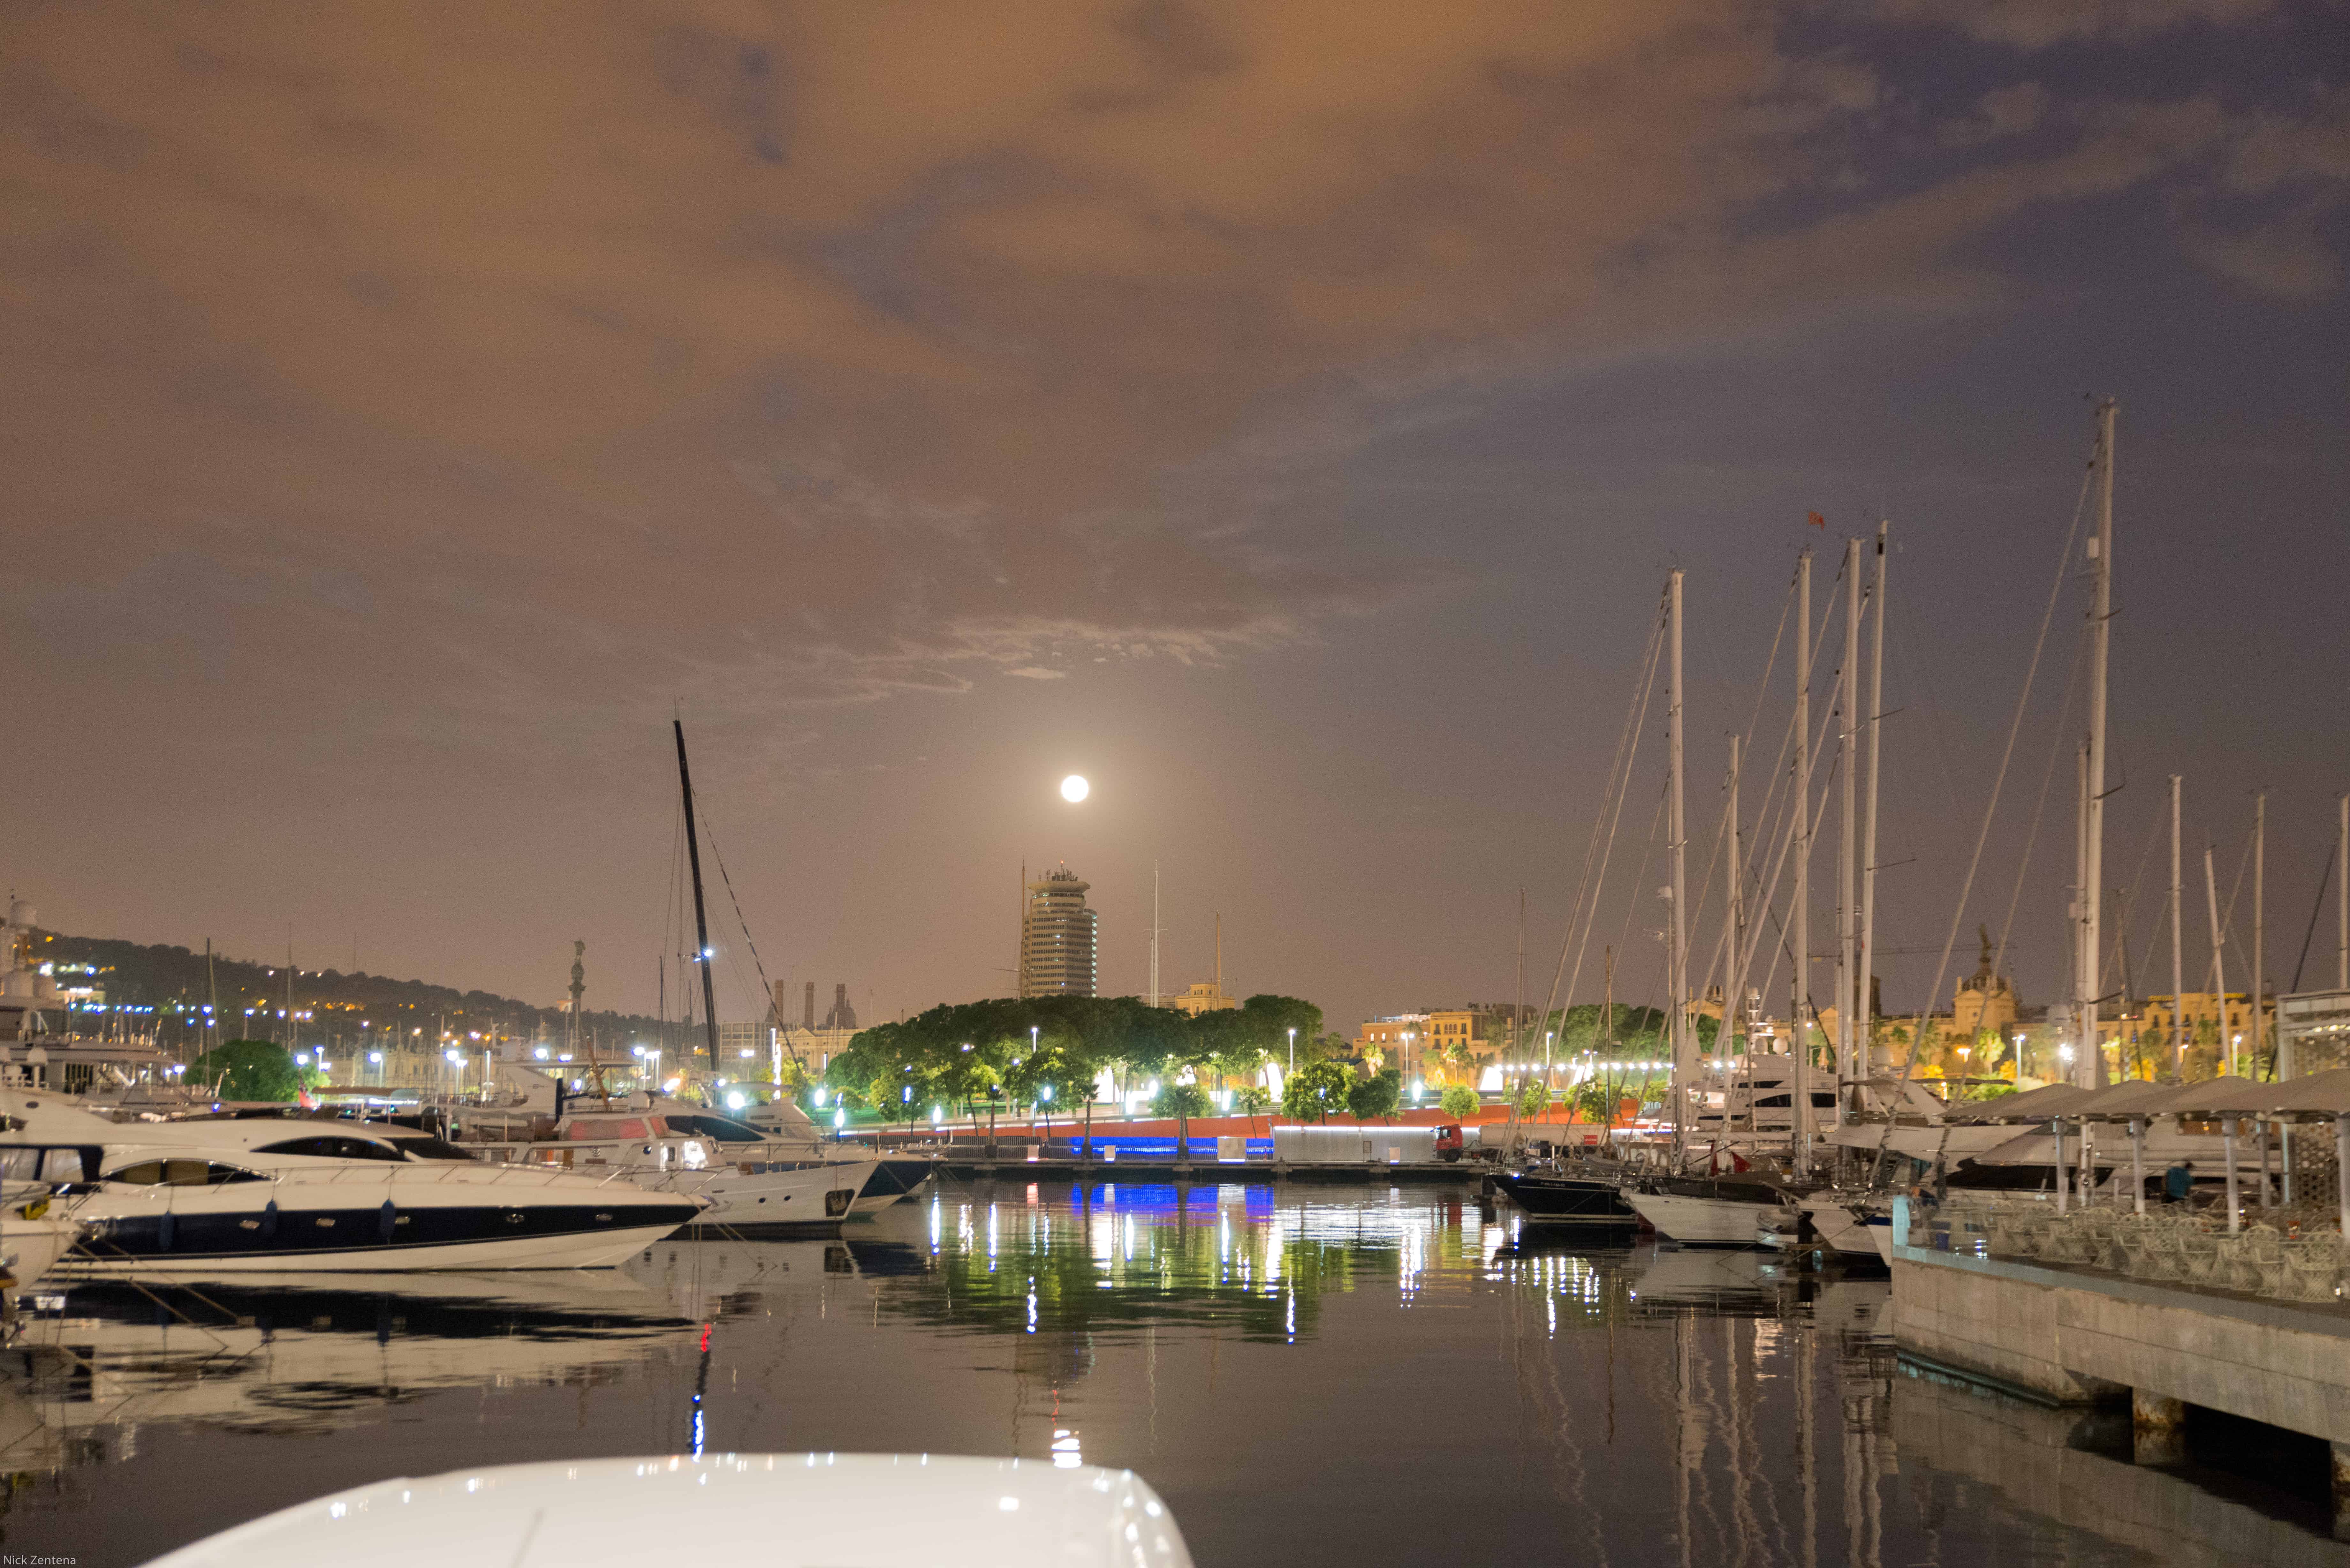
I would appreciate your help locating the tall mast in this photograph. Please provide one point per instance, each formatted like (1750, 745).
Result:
(2219, 965)
(1865, 1001)
(1518, 1016)
(1800, 823)
(1676, 969)
(701, 921)
(2259, 864)
(1730, 976)
(1154, 929)
(1020, 947)
(2093, 855)
(2079, 912)
(1849, 1061)
(2178, 946)
(2342, 894)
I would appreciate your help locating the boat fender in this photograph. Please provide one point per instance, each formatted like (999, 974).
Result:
(386, 1219)
(166, 1233)
(269, 1220)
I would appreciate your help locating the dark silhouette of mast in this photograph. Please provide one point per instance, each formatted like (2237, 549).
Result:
(700, 922)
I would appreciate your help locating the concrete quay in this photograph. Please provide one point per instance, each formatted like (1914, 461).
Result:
(2076, 1336)
(2057, 1464)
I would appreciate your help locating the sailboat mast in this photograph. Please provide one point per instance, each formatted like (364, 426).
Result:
(1518, 1012)
(1729, 975)
(701, 920)
(2218, 963)
(2260, 933)
(1800, 824)
(2341, 898)
(2093, 855)
(2178, 944)
(1848, 1065)
(1154, 929)
(1677, 983)
(1865, 1001)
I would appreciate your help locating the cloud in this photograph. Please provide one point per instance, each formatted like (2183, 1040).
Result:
(2037, 23)
(1038, 673)
(563, 354)
(2002, 112)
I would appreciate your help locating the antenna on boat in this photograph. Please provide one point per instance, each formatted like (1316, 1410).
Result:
(701, 921)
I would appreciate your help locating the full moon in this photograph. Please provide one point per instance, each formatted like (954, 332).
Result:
(1074, 788)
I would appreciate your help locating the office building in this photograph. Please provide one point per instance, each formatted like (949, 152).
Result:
(1058, 941)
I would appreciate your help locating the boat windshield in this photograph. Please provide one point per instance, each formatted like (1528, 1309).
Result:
(431, 1149)
(181, 1173)
(725, 1129)
(332, 1147)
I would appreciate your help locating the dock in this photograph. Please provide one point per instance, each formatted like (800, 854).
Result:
(2068, 1333)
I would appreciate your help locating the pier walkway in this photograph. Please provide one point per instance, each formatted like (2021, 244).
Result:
(2073, 1333)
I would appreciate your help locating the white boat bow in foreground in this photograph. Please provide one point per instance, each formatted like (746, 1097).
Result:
(780, 1510)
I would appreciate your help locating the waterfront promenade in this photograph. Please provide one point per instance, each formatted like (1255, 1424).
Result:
(2074, 1333)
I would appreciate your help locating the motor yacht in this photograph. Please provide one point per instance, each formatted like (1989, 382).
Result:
(746, 1198)
(784, 1135)
(243, 1195)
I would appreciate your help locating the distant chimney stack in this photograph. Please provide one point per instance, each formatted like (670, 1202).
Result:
(808, 1022)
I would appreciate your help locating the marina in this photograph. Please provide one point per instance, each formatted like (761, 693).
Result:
(1175, 784)
(1630, 1401)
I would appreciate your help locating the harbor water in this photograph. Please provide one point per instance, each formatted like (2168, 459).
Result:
(1357, 1376)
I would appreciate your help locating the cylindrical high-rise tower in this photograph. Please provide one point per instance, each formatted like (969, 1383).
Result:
(1058, 938)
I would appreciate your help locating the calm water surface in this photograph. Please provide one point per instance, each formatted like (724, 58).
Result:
(1356, 1376)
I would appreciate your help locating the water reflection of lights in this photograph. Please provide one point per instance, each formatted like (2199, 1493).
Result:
(1142, 1248)
(1066, 1453)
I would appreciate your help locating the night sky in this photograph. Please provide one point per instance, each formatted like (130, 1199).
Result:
(1283, 414)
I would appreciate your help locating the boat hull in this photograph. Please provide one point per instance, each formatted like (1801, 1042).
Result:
(1701, 1221)
(29, 1249)
(360, 1217)
(773, 1202)
(1568, 1200)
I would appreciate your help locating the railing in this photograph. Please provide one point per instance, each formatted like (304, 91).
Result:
(2292, 1253)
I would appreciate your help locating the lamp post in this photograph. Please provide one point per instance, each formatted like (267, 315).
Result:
(1293, 1051)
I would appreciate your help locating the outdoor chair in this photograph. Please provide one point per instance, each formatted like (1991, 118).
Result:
(2259, 1260)
(2198, 1256)
(2311, 1268)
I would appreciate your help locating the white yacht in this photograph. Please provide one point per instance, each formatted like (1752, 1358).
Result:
(269, 1195)
(746, 1198)
(1710, 1210)
(781, 1133)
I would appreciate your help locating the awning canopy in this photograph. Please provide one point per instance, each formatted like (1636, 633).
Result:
(2032, 1106)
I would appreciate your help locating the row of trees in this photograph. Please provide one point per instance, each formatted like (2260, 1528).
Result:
(1048, 1051)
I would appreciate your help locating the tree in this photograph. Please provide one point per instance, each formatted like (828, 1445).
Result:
(1254, 1101)
(1377, 1096)
(1180, 1101)
(1534, 1099)
(1459, 1101)
(251, 1070)
(1315, 1090)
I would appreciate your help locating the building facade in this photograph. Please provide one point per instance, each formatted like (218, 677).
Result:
(1059, 942)
(1201, 996)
